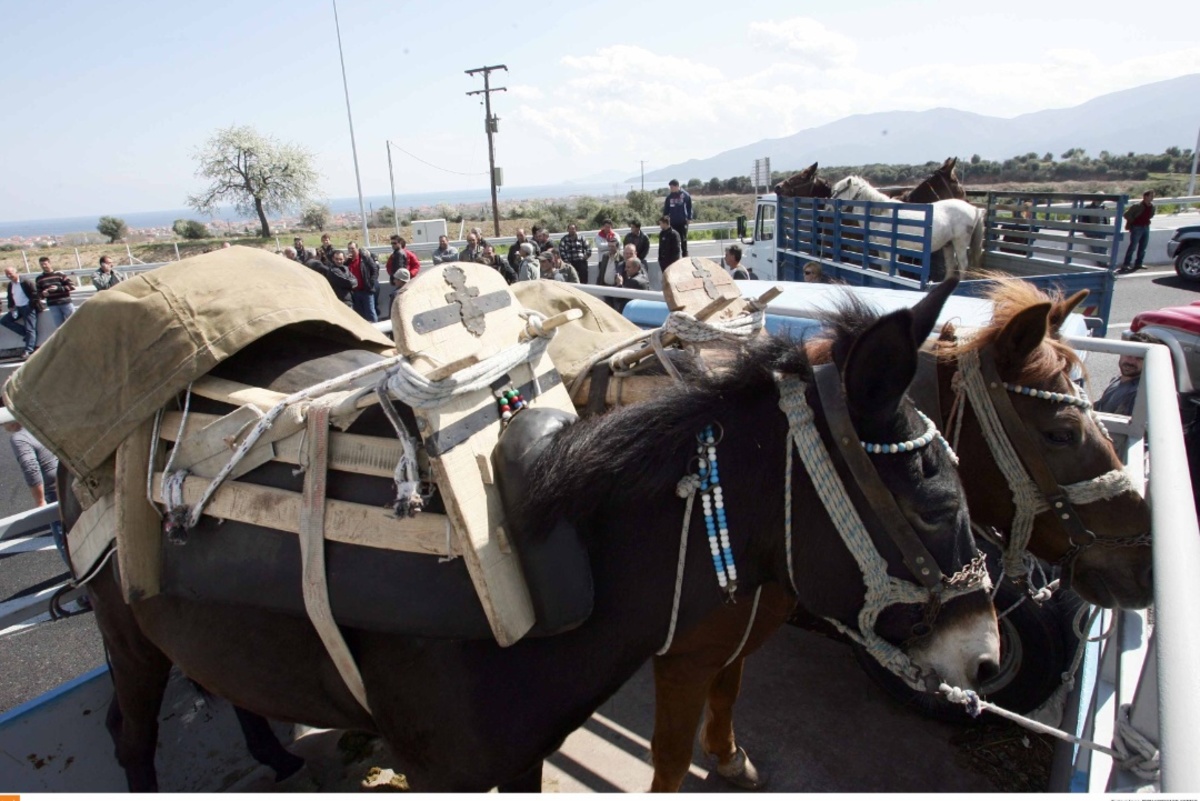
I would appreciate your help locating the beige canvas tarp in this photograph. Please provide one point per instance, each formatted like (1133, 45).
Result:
(130, 349)
(600, 327)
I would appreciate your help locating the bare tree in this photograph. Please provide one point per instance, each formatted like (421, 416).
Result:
(255, 173)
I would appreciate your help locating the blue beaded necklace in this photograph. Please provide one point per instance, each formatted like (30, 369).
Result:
(713, 500)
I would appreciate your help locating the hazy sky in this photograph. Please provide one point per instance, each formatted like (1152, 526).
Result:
(106, 102)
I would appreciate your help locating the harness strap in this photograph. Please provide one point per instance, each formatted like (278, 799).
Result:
(1029, 455)
(312, 553)
(882, 503)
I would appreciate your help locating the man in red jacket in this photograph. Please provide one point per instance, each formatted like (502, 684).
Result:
(1137, 223)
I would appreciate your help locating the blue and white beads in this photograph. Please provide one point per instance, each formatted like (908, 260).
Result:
(713, 500)
(1057, 397)
(931, 433)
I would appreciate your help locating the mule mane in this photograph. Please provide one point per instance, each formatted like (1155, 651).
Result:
(634, 452)
(1009, 298)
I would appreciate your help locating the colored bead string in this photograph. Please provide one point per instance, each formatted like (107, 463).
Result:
(1057, 397)
(713, 500)
(931, 433)
(510, 402)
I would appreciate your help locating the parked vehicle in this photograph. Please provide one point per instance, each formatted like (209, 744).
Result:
(1050, 239)
(1184, 248)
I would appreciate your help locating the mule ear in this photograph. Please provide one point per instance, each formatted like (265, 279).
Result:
(1022, 335)
(1061, 309)
(949, 332)
(949, 164)
(927, 309)
(881, 365)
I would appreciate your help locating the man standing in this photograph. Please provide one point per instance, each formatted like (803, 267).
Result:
(575, 251)
(492, 259)
(21, 313)
(325, 252)
(40, 469)
(445, 251)
(1137, 223)
(669, 244)
(553, 268)
(678, 207)
(473, 250)
(639, 240)
(365, 270)
(303, 254)
(733, 263)
(541, 238)
(55, 288)
(528, 269)
(514, 251)
(106, 277)
(402, 258)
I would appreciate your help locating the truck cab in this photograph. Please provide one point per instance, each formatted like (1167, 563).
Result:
(760, 247)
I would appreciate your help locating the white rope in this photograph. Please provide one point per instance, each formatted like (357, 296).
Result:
(403, 382)
(749, 627)
(739, 329)
(882, 589)
(687, 488)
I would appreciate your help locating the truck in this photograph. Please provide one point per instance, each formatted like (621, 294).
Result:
(1055, 240)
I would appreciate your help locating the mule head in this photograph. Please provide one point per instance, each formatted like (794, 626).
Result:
(845, 189)
(1106, 558)
(957, 640)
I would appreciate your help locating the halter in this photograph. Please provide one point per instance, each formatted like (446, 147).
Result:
(1035, 489)
(931, 589)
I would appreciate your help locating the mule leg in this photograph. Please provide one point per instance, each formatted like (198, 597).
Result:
(140, 681)
(265, 746)
(528, 782)
(717, 736)
(677, 709)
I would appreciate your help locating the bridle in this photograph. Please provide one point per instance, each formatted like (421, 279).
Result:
(931, 588)
(1034, 486)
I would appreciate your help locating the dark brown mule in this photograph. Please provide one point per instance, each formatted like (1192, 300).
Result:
(804, 184)
(469, 715)
(941, 185)
(702, 672)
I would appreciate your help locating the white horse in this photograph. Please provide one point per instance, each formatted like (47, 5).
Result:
(958, 227)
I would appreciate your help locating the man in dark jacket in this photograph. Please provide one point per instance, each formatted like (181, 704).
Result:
(639, 240)
(303, 254)
(340, 280)
(1137, 223)
(575, 251)
(365, 270)
(678, 206)
(325, 252)
(21, 313)
(669, 244)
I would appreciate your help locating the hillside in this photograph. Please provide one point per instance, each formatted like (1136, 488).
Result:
(1146, 119)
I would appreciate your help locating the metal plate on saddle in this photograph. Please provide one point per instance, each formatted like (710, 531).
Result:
(453, 317)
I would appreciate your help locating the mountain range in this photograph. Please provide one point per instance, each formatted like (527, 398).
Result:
(1145, 119)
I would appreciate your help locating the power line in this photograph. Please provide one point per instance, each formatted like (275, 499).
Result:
(428, 164)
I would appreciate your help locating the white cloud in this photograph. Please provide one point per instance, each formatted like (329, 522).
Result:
(526, 92)
(804, 38)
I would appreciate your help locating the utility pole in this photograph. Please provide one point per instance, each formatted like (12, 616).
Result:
(353, 147)
(392, 181)
(490, 125)
(643, 163)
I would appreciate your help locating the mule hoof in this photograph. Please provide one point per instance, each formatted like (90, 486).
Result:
(741, 773)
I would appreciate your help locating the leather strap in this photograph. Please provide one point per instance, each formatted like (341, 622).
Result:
(1029, 454)
(886, 511)
(312, 554)
(924, 391)
(455, 434)
(597, 400)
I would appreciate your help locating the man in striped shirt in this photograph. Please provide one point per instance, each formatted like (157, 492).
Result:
(54, 288)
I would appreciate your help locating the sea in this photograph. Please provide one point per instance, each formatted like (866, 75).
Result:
(154, 219)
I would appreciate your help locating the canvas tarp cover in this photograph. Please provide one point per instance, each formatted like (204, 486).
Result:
(126, 352)
(574, 343)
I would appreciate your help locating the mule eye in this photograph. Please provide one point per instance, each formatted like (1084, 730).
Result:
(1060, 436)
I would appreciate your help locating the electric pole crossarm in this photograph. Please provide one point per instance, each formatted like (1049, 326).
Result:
(490, 126)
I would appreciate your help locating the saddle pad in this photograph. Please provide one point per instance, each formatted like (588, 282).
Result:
(129, 350)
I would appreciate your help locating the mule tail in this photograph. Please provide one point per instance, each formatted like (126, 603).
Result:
(975, 249)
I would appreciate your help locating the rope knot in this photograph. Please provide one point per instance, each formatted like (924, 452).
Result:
(688, 485)
(968, 699)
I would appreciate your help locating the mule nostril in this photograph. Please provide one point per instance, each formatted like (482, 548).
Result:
(986, 670)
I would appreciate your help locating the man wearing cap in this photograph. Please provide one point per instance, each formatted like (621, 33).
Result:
(678, 207)
(553, 268)
(669, 244)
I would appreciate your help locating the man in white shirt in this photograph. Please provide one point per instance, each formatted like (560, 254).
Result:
(21, 314)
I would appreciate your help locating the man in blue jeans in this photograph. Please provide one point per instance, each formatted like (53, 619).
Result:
(1137, 223)
(21, 313)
